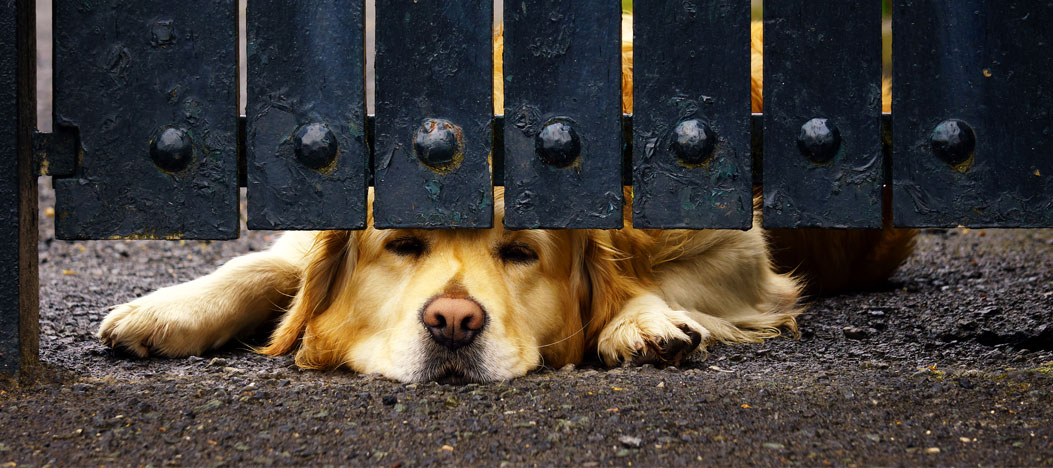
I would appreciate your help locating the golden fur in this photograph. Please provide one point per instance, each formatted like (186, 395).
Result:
(347, 299)
(355, 299)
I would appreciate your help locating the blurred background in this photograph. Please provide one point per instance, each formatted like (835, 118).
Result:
(44, 105)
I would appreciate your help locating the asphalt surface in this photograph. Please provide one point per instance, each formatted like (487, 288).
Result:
(950, 364)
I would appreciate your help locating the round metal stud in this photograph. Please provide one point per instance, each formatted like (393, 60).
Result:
(953, 141)
(437, 142)
(315, 146)
(819, 140)
(171, 150)
(693, 142)
(558, 144)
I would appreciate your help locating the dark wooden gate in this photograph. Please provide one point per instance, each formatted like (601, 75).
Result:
(148, 142)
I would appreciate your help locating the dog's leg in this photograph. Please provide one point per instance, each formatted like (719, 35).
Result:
(715, 286)
(730, 289)
(648, 331)
(193, 317)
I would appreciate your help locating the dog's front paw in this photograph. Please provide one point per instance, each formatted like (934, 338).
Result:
(647, 331)
(165, 323)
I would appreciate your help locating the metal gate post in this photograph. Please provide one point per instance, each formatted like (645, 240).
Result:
(19, 285)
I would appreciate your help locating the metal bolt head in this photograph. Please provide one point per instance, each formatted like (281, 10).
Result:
(315, 146)
(693, 141)
(437, 142)
(953, 141)
(161, 33)
(172, 149)
(819, 140)
(558, 144)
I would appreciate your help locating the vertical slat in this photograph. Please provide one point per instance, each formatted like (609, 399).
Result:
(434, 96)
(151, 88)
(18, 191)
(691, 106)
(972, 129)
(822, 110)
(562, 132)
(10, 340)
(307, 154)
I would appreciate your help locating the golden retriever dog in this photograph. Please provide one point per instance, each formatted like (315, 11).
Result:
(493, 304)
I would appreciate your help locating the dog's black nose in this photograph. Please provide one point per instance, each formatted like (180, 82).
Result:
(453, 322)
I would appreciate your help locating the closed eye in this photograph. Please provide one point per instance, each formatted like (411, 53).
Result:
(409, 246)
(516, 252)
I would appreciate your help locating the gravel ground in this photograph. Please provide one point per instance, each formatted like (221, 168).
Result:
(950, 364)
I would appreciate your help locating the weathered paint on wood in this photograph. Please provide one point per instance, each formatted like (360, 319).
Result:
(562, 133)
(691, 141)
(307, 153)
(972, 129)
(434, 107)
(151, 88)
(18, 192)
(9, 196)
(822, 111)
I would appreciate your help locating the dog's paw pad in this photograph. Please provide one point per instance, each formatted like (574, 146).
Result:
(676, 349)
(669, 350)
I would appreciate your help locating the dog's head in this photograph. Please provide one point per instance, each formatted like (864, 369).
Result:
(452, 305)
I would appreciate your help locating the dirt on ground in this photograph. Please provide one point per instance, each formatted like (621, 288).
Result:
(951, 363)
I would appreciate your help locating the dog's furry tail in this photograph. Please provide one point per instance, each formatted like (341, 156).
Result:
(832, 261)
(838, 260)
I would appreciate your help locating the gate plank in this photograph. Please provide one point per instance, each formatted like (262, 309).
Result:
(691, 145)
(151, 87)
(19, 286)
(307, 155)
(972, 102)
(562, 134)
(434, 106)
(822, 110)
(10, 333)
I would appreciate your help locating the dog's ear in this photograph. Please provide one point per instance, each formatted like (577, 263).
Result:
(609, 272)
(329, 263)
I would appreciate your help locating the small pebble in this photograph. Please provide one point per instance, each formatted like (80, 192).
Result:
(630, 441)
(854, 333)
